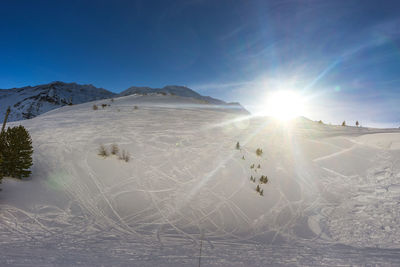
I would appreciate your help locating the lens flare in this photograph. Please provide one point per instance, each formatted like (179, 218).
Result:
(285, 105)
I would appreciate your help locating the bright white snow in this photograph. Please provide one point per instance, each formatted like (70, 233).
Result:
(332, 197)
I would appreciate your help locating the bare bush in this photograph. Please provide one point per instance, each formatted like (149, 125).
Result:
(95, 107)
(135, 107)
(103, 151)
(125, 156)
(259, 152)
(114, 149)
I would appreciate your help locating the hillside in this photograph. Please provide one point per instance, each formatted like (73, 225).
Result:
(331, 191)
(31, 101)
(172, 90)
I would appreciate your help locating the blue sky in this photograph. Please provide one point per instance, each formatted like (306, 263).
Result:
(344, 56)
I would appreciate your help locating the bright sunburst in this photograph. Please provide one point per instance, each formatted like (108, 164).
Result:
(285, 105)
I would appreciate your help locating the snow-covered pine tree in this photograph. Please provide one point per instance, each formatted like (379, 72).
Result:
(17, 153)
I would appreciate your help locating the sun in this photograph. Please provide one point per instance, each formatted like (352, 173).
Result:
(285, 105)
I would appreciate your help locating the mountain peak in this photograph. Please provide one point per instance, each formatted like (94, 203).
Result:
(31, 101)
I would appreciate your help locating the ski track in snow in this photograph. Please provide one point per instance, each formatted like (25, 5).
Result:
(185, 180)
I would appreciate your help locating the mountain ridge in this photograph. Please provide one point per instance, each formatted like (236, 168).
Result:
(30, 101)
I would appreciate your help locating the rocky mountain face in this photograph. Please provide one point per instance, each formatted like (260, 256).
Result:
(31, 101)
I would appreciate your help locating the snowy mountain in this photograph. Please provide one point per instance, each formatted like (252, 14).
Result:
(175, 90)
(28, 102)
(332, 196)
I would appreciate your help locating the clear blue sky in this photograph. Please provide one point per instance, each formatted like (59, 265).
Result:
(343, 54)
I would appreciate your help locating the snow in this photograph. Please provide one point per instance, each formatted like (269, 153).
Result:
(332, 196)
(28, 102)
(171, 89)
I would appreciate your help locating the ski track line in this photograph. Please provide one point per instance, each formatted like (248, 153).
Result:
(90, 172)
(335, 154)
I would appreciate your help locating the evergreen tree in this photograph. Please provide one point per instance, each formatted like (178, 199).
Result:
(258, 188)
(344, 123)
(237, 146)
(3, 151)
(263, 179)
(357, 123)
(16, 152)
(1, 174)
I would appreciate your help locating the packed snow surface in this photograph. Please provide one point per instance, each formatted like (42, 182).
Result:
(332, 196)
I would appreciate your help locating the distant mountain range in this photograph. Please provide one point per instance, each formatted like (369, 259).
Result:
(31, 101)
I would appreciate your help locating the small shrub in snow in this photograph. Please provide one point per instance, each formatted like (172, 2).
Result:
(237, 146)
(344, 123)
(262, 192)
(95, 107)
(320, 122)
(259, 166)
(259, 151)
(135, 107)
(124, 156)
(357, 123)
(103, 151)
(252, 166)
(112, 99)
(242, 157)
(263, 179)
(258, 188)
(114, 149)
(103, 105)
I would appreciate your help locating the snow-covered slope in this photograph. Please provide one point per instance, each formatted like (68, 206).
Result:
(178, 91)
(28, 102)
(332, 196)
